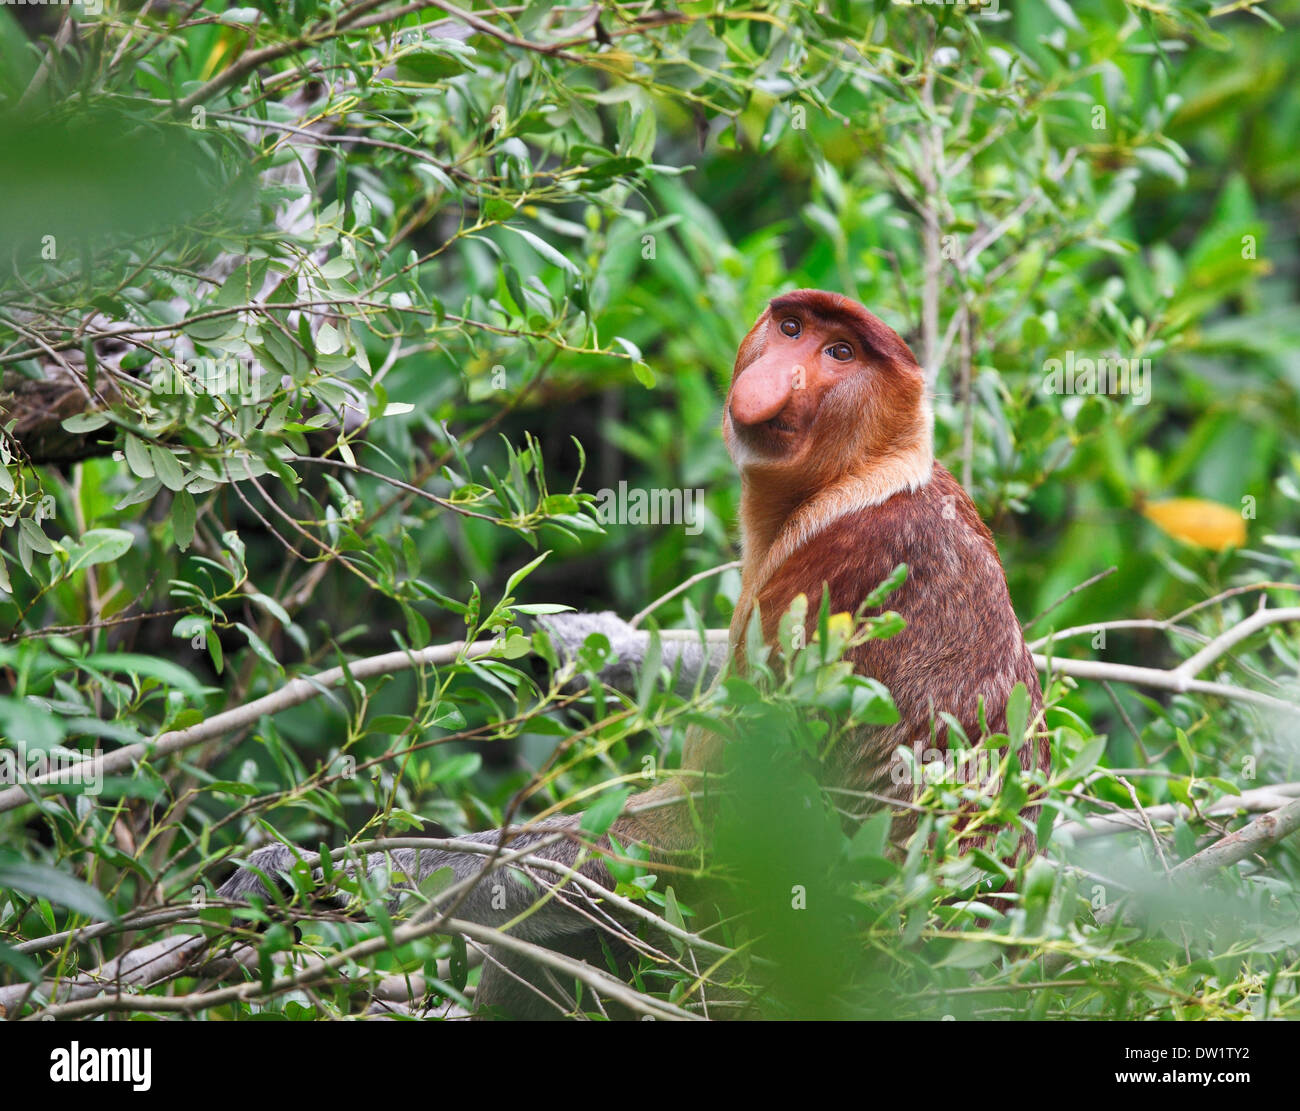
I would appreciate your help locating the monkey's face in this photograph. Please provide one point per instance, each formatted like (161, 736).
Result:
(819, 386)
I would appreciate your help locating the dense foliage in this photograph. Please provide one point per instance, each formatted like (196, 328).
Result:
(323, 328)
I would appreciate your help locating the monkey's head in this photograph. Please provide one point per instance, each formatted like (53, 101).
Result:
(821, 390)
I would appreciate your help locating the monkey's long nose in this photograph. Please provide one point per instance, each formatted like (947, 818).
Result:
(760, 393)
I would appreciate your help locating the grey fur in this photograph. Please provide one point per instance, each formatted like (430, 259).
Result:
(501, 894)
(686, 660)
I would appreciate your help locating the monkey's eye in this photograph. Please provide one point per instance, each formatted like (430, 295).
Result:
(840, 352)
(791, 327)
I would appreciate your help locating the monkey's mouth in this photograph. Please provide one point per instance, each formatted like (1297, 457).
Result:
(777, 425)
(770, 439)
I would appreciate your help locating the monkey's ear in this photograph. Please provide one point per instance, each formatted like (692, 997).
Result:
(751, 347)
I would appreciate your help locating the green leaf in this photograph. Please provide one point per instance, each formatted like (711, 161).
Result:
(497, 210)
(872, 838)
(970, 954)
(673, 915)
(871, 703)
(35, 536)
(24, 720)
(272, 607)
(260, 648)
(461, 766)
(166, 672)
(23, 965)
(183, 517)
(458, 964)
(425, 65)
(1185, 747)
(230, 787)
(85, 422)
(603, 812)
(1087, 759)
(50, 883)
(99, 545)
(549, 253)
(523, 572)
(240, 16)
(166, 467)
(1065, 14)
(1163, 164)
(888, 585)
(628, 346)
(614, 167)
(515, 647)
(1017, 714)
(137, 456)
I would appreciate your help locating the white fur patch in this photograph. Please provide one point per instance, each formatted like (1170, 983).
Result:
(904, 472)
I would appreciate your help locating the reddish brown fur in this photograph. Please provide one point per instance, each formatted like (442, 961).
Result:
(871, 418)
(838, 488)
(962, 639)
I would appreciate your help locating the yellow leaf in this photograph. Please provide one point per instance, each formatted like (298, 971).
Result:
(840, 625)
(1197, 521)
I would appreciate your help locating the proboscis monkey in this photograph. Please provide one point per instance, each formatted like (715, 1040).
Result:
(828, 422)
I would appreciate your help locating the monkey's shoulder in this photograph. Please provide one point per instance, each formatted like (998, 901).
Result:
(934, 529)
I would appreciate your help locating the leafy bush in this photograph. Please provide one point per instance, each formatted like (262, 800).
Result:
(326, 327)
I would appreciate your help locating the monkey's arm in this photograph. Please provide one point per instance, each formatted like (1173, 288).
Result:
(499, 894)
(495, 895)
(687, 658)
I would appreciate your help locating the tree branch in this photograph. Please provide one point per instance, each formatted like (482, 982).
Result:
(300, 690)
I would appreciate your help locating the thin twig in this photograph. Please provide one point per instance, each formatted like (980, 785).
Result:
(1123, 821)
(636, 620)
(1070, 594)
